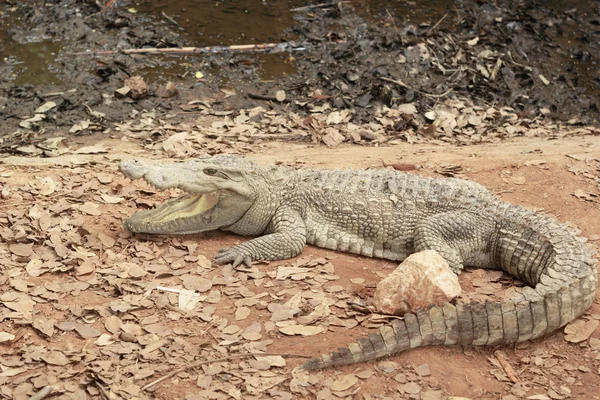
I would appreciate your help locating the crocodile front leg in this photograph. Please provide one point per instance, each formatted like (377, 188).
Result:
(286, 241)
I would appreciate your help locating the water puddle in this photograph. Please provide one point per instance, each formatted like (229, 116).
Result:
(32, 63)
(222, 23)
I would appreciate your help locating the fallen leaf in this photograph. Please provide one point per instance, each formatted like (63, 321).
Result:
(104, 340)
(473, 41)
(333, 138)
(112, 323)
(21, 249)
(188, 299)
(408, 109)
(344, 382)
(87, 332)
(411, 388)
(45, 107)
(519, 180)
(55, 358)
(44, 326)
(95, 149)
(241, 313)
(90, 208)
(135, 271)
(6, 337)
(579, 330)
(423, 370)
(301, 330)
(111, 199)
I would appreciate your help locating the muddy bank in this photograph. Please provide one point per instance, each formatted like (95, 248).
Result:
(538, 58)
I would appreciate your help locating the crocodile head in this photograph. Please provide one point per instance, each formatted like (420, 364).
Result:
(217, 194)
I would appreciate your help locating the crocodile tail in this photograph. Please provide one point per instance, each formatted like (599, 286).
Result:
(529, 246)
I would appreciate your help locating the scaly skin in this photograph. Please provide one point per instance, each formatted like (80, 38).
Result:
(386, 214)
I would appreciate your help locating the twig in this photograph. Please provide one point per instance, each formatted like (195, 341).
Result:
(397, 82)
(510, 372)
(274, 47)
(46, 390)
(229, 357)
(395, 27)
(436, 24)
(102, 390)
(262, 136)
(322, 5)
(267, 98)
(171, 20)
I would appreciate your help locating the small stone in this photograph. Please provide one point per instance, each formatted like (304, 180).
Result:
(167, 91)
(127, 337)
(423, 279)
(138, 89)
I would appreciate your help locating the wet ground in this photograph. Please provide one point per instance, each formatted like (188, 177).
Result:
(539, 58)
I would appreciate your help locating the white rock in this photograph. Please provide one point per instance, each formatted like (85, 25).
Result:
(421, 280)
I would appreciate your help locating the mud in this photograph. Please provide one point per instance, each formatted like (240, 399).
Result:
(540, 58)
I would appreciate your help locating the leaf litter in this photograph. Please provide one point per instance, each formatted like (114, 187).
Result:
(155, 305)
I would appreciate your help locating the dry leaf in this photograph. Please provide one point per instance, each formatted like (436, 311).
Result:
(45, 107)
(241, 313)
(188, 299)
(111, 199)
(6, 337)
(21, 249)
(344, 382)
(44, 326)
(95, 149)
(579, 330)
(87, 332)
(333, 138)
(55, 358)
(135, 271)
(90, 208)
(112, 323)
(519, 180)
(408, 108)
(301, 330)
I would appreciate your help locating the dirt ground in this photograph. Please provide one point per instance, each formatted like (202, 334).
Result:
(538, 58)
(504, 93)
(82, 307)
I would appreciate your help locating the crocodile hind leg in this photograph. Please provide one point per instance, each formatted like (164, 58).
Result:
(462, 238)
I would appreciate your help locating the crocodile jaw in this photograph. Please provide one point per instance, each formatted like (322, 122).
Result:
(182, 215)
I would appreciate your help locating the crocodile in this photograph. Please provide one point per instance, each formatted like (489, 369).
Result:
(387, 214)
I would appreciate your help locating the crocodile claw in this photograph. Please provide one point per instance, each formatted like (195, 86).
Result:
(233, 255)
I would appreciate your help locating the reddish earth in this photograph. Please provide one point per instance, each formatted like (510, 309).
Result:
(547, 174)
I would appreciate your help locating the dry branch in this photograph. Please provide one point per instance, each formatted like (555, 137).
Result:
(400, 83)
(508, 369)
(322, 5)
(239, 48)
(43, 393)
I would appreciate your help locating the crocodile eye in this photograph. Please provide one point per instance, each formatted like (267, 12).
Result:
(210, 171)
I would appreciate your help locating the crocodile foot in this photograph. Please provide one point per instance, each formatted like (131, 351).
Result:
(235, 255)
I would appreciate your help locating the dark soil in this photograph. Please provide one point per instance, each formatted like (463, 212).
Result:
(538, 57)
